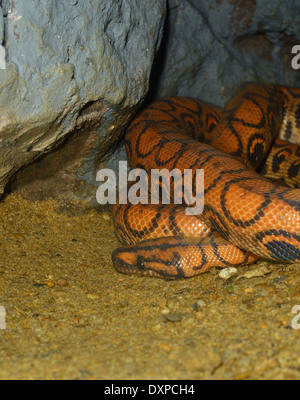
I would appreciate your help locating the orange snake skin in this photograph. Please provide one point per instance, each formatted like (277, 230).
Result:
(247, 215)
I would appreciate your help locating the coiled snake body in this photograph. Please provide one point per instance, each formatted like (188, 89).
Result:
(246, 216)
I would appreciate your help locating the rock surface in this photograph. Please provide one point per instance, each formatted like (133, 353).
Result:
(212, 47)
(2, 50)
(71, 63)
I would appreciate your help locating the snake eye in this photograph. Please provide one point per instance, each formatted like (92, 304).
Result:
(140, 263)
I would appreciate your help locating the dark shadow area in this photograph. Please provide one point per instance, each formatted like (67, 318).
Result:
(159, 62)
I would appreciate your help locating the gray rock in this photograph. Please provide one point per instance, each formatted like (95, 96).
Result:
(210, 47)
(1, 26)
(69, 63)
(2, 49)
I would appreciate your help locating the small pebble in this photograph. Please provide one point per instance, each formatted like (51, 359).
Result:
(249, 291)
(106, 217)
(38, 285)
(62, 282)
(263, 325)
(162, 303)
(173, 317)
(228, 273)
(50, 284)
(92, 296)
(156, 327)
(284, 322)
(165, 346)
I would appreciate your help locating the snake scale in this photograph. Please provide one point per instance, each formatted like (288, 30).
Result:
(250, 154)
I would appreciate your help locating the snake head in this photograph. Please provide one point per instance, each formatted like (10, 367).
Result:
(155, 258)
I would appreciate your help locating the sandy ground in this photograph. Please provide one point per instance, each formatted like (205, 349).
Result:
(70, 315)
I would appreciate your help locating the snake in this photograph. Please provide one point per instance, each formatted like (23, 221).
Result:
(250, 154)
